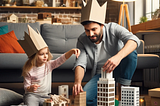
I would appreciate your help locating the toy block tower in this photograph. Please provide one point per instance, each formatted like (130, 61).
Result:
(63, 90)
(106, 90)
(129, 96)
(80, 99)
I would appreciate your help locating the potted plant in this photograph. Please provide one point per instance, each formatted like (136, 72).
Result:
(143, 19)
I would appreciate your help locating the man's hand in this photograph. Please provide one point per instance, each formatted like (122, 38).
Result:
(111, 64)
(114, 61)
(77, 88)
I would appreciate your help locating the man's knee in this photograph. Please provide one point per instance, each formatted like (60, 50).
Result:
(132, 55)
(130, 60)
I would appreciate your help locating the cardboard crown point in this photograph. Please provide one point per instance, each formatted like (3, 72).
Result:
(92, 11)
(33, 42)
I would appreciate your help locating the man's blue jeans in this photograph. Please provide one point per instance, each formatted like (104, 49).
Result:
(122, 74)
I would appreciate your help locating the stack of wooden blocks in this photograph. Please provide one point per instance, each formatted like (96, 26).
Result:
(80, 99)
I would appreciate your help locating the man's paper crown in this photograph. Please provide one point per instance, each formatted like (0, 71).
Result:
(92, 11)
(33, 42)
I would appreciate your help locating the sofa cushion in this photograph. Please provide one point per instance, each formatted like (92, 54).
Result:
(9, 44)
(61, 38)
(4, 29)
(19, 28)
(9, 97)
(12, 60)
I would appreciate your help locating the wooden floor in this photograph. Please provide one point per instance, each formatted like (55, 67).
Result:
(148, 100)
(144, 92)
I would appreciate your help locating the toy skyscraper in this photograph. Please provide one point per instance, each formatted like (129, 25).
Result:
(106, 90)
(129, 96)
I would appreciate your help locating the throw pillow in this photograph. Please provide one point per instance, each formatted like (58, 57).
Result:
(9, 43)
(3, 29)
(9, 97)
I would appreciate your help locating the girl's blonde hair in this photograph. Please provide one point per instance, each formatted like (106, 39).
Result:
(32, 62)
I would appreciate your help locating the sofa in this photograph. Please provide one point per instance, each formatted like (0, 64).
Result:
(59, 38)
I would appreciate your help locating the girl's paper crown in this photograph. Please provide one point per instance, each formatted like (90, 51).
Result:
(33, 42)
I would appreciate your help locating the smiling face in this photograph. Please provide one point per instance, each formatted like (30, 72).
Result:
(94, 31)
(42, 56)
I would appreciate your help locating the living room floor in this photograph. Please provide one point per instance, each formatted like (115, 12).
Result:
(143, 92)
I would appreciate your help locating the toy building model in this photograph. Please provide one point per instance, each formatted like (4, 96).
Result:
(56, 100)
(129, 96)
(80, 99)
(106, 90)
(12, 18)
(63, 90)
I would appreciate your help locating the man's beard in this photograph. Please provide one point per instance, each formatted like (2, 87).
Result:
(97, 37)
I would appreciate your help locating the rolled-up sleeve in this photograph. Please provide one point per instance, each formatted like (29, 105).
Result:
(124, 35)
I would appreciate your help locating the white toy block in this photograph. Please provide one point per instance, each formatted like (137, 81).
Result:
(129, 96)
(63, 90)
(106, 76)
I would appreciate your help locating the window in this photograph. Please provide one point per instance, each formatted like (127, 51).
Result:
(145, 8)
(151, 7)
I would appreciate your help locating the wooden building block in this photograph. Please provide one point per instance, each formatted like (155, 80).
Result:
(80, 99)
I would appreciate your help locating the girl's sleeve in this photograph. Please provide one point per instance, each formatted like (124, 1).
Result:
(27, 81)
(57, 62)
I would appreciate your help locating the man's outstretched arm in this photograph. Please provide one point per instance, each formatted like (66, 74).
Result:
(79, 74)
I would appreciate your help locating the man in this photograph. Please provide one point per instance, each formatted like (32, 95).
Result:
(110, 46)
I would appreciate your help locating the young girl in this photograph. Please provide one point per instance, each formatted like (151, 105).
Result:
(37, 75)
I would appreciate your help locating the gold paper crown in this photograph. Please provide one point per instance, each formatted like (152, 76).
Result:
(92, 11)
(33, 42)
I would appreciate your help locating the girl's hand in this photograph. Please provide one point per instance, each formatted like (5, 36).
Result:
(76, 52)
(72, 51)
(33, 88)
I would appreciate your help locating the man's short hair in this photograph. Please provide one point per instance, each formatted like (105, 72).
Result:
(88, 22)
